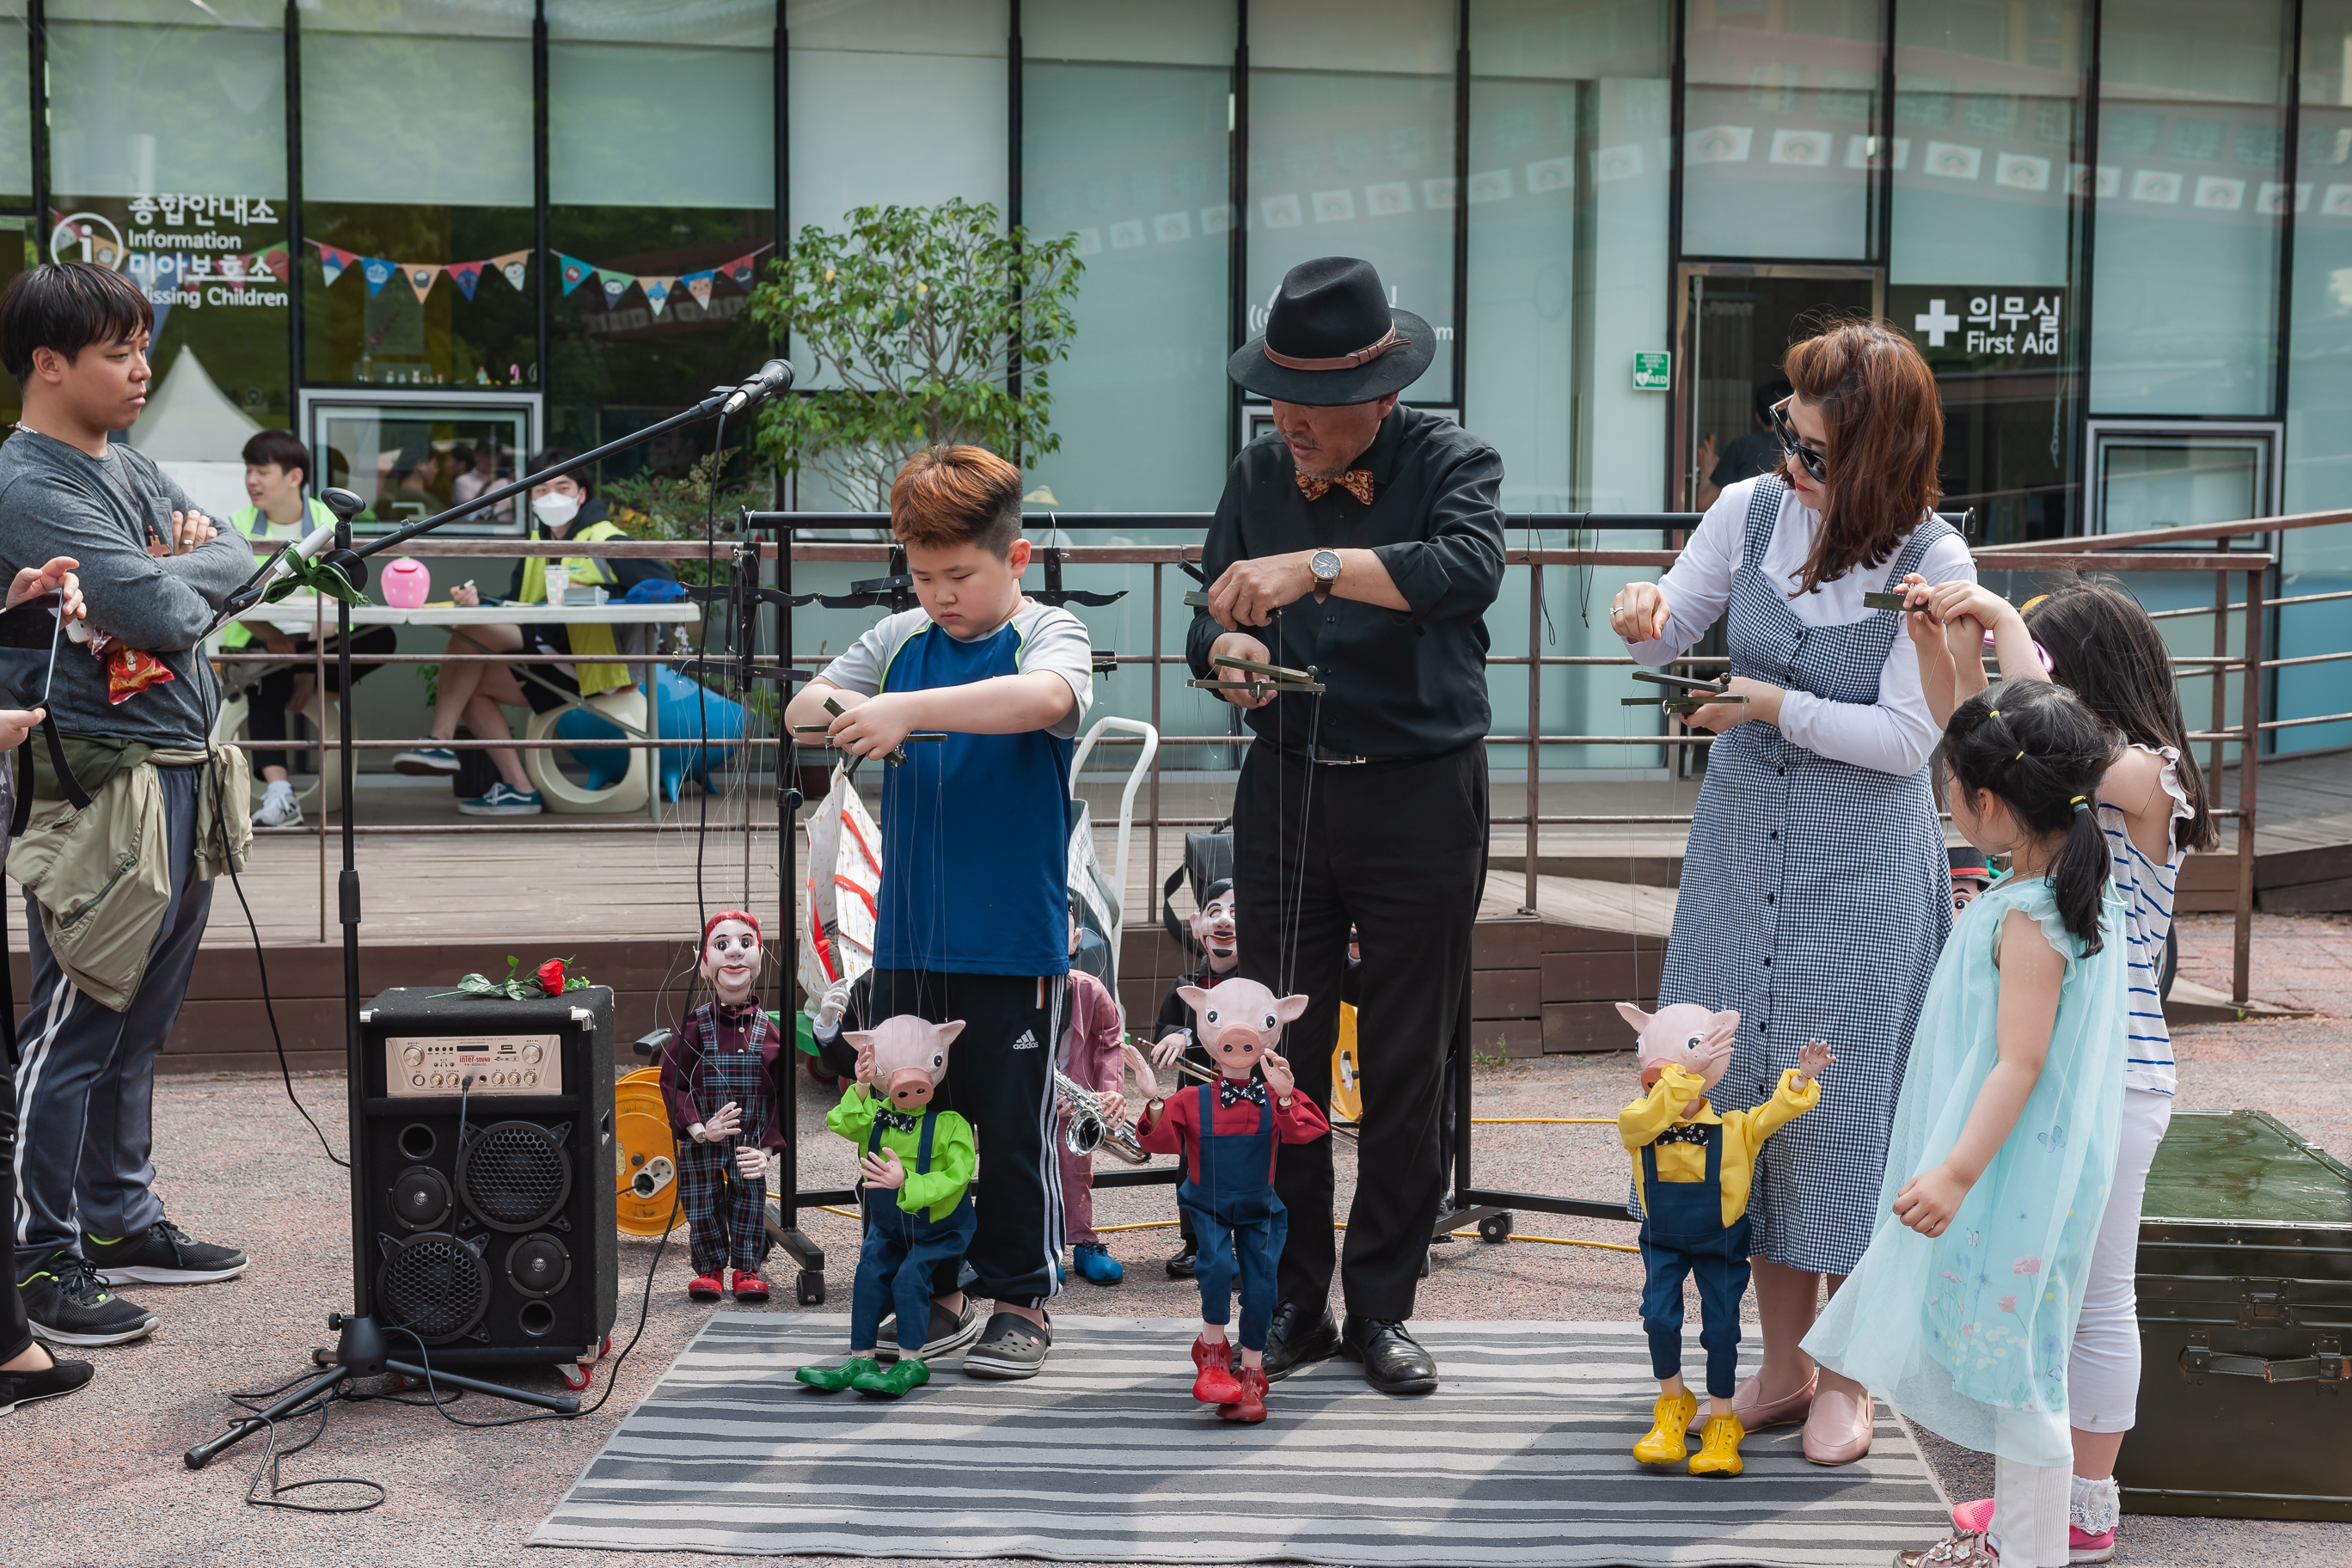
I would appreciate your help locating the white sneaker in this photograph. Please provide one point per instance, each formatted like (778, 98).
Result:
(278, 807)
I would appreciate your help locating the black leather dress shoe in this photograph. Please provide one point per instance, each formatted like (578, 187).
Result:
(1300, 1334)
(1180, 1265)
(1395, 1361)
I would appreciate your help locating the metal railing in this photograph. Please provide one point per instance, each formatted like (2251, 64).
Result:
(2255, 612)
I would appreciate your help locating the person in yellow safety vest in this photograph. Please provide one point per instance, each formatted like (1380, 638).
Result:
(566, 509)
(276, 468)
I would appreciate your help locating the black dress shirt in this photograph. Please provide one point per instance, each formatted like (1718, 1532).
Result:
(1402, 683)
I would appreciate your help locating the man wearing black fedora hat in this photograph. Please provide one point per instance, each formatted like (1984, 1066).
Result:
(1363, 538)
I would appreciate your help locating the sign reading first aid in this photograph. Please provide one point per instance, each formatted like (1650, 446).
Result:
(2012, 328)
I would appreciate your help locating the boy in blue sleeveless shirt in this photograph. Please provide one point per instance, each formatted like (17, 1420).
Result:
(974, 920)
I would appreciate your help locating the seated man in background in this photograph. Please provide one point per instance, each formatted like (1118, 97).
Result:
(276, 466)
(566, 509)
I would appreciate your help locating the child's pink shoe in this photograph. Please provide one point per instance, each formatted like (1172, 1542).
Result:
(2080, 1548)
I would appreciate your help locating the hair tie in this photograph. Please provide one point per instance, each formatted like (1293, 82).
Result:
(2081, 803)
(1995, 713)
(2019, 757)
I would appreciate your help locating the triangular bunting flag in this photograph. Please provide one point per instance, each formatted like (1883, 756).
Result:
(657, 292)
(332, 261)
(514, 267)
(615, 284)
(575, 271)
(377, 271)
(698, 285)
(465, 275)
(273, 261)
(739, 269)
(420, 276)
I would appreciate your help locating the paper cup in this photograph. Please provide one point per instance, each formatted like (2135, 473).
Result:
(559, 580)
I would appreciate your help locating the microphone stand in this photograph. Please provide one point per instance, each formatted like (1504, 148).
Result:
(363, 1349)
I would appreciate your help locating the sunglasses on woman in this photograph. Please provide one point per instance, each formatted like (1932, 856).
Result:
(1815, 463)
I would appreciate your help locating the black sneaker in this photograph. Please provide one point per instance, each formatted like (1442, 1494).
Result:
(66, 1301)
(948, 1331)
(60, 1377)
(163, 1254)
(1012, 1346)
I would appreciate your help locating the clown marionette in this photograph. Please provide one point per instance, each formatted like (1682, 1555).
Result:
(916, 1170)
(717, 1079)
(1227, 1132)
(1692, 1169)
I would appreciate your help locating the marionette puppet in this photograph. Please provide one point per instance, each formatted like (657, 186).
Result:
(1226, 1134)
(1971, 874)
(1091, 1054)
(1693, 1168)
(1173, 1031)
(916, 1169)
(717, 1079)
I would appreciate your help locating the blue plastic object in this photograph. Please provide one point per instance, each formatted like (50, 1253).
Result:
(606, 765)
(721, 718)
(655, 591)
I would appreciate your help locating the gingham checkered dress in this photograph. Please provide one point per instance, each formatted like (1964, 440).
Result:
(1815, 896)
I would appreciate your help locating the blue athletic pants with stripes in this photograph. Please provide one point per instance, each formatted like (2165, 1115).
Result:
(85, 1092)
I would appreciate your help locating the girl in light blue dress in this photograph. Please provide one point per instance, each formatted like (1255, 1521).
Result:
(1963, 1309)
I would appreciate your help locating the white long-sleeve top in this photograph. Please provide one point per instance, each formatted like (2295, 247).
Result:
(1894, 735)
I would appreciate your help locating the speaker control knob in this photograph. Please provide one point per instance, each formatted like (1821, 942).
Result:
(530, 1078)
(533, 1054)
(413, 1057)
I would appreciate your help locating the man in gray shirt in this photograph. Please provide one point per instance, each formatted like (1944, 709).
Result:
(154, 574)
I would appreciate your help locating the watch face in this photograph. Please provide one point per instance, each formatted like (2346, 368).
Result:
(1325, 564)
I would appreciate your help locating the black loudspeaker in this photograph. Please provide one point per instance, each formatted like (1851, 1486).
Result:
(488, 1172)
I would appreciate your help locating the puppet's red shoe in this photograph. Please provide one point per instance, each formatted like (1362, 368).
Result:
(705, 1288)
(1214, 1383)
(1250, 1406)
(750, 1286)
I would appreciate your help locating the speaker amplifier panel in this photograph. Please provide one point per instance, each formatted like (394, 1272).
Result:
(437, 1066)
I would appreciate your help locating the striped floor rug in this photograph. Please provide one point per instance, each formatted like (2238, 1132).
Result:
(1523, 1458)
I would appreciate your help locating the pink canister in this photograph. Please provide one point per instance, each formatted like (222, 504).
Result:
(406, 582)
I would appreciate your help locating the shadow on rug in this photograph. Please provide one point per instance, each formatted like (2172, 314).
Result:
(1523, 1457)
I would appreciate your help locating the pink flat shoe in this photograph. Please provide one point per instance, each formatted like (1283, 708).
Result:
(1755, 1413)
(1837, 1429)
(2081, 1547)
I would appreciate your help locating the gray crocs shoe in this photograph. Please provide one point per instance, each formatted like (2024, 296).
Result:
(948, 1331)
(1010, 1347)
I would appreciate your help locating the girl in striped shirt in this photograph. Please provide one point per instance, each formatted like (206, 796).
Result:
(2094, 639)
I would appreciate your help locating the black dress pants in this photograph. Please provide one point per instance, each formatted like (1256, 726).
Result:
(1398, 849)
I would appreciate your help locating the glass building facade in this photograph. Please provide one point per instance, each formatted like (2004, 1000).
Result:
(428, 232)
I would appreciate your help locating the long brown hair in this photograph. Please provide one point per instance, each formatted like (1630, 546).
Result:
(1887, 438)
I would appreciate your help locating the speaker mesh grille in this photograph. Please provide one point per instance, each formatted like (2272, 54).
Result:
(435, 1286)
(515, 1175)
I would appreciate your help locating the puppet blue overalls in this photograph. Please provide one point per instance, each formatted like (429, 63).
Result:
(901, 1253)
(1239, 1201)
(726, 1212)
(1683, 1233)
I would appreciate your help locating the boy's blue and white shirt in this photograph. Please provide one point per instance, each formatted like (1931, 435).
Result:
(975, 829)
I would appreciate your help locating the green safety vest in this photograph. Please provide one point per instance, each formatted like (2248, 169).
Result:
(249, 521)
(587, 641)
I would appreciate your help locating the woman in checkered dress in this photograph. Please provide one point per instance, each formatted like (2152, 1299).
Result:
(1814, 894)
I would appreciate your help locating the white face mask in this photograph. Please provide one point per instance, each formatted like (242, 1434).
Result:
(554, 510)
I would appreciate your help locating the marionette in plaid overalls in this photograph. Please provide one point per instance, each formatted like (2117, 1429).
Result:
(719, 1081)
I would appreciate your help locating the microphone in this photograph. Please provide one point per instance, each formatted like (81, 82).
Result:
(773, 377)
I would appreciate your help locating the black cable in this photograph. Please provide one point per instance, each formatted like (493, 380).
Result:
(273, 1456)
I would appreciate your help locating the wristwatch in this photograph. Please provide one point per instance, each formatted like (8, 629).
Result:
(1324, 565)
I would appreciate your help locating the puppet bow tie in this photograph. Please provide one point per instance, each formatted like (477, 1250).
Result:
(894, 1119)
(1694, 1133)
(1229, 1094)
(1356, 482)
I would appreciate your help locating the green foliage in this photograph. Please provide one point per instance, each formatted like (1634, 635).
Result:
(920, 315)
(653, 506)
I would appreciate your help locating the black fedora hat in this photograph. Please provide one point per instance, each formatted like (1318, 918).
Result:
(1332, 338)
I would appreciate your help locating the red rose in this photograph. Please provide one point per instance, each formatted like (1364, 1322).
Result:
(551, 977)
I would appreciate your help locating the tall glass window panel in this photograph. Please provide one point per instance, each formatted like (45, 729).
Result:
(417, 194)
(16, 107)
(2190, 204)
(1124, 144)
(1987, 239)
(1566, 285)
(167, 128)
(2319, 383)
(662, 181)
(1779, 111)
(1352, 153)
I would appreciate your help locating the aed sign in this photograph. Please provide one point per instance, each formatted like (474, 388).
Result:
(1653, 372)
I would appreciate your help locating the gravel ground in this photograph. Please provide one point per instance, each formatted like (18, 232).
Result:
(100, 1480)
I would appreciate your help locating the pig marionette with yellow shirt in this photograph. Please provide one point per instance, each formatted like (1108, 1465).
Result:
(1691, 1168)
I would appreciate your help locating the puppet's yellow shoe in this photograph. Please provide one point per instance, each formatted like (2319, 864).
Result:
(1664, 1445)
(1718, 1449)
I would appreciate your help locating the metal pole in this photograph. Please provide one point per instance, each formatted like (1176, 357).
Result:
(1534, 732)
(1151, 889)
(319, 674)
(2221, 650)
(347, 910)
(2250, 746)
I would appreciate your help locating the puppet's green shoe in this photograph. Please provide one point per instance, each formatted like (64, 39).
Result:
(909, 1373)
(833, 1379)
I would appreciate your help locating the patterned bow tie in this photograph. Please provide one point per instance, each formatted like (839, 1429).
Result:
(1692, 1134)
(1356, 482)
(1229, 1094)
(893, 1119)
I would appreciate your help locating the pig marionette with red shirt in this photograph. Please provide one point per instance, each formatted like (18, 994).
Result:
(1227, 1132)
